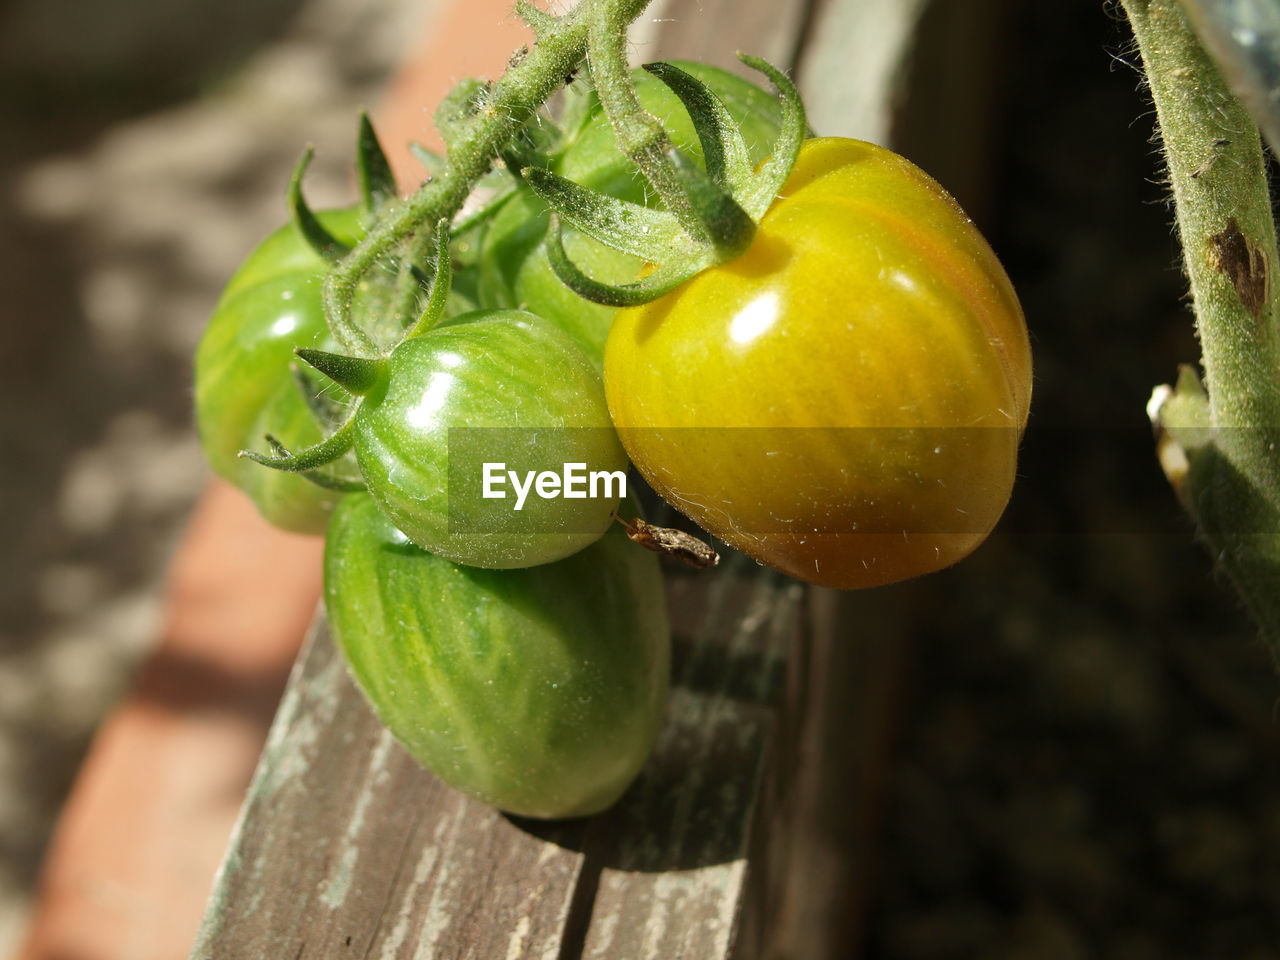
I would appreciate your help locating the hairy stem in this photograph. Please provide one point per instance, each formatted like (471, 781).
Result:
(473, 146)
(1229, 247)
(640, 136)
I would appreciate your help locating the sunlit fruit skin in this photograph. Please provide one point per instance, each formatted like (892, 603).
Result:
(500, 386)
(514, 269)
(244, 383)
(539, 691)
(873, 349)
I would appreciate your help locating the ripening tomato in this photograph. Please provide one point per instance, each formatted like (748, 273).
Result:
(244, 383)
(843, 402)
(539, 690)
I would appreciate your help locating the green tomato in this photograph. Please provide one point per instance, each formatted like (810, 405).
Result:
(514, 270)
(466, 405)
(539, 691)
(244, 384)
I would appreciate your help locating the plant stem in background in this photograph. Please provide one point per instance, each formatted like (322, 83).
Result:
(1230, 478)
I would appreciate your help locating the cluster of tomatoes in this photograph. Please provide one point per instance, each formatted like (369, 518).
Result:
(844, 402)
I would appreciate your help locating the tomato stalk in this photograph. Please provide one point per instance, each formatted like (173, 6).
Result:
(645, 142)
(712, 214)
(474, 142)
(1219, 443)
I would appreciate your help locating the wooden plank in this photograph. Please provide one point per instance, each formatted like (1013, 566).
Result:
(678, 871)
(345, 844)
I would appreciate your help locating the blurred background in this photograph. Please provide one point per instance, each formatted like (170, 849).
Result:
(146, 149)
(1084, 757)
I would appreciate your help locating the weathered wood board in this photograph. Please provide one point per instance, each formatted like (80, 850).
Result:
(346, 847)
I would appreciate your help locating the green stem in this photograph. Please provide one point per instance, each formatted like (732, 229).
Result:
(404, 306)
(477, 142)
(641, 137)
(1228, 237)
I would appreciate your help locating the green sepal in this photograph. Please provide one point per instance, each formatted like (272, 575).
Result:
(320, 478)
(723, 148)
(645, 290)
(773, 173)
(729, 227)
(629, 227)
(313, 231)
(377, 183)
(358, 375)
(319, 455)
(434, 310)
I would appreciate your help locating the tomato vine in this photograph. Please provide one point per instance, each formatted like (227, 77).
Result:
(767, 259)
(1219, 439)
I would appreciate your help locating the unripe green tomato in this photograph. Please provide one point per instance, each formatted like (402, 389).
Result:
(491, 387)
(244, 384)
(514, 270)
(844, 401)
(539, 691)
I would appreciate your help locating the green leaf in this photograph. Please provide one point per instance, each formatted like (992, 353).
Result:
(625, 226)
(577, 102)
(486, 210)
(459, 106)
(313, 231)
(377, 183)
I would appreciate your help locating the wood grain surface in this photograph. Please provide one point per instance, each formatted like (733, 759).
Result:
(346, 844)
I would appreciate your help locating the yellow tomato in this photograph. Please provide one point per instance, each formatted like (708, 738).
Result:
(844, 401)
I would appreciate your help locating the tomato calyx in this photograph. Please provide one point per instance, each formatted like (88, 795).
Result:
(710, 216)
(359, 376)
(309, 462)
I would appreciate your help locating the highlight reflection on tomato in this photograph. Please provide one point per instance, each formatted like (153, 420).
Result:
(843, 402)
